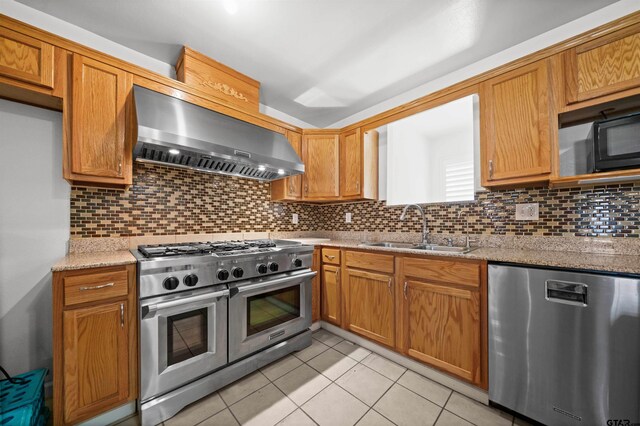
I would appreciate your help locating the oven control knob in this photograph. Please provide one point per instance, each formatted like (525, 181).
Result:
(262, 268)
(273, 267)
(237, 272)
(190, 280)
(170, 283)
(223, 274)
(297, 263)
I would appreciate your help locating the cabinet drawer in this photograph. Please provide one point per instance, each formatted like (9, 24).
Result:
(331, 256)
(449, 271)
(374, 261)
(95, 286)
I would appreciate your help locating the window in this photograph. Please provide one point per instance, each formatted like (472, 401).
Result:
(432, 156)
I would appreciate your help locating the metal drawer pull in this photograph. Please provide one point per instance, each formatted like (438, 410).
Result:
(329, 257)
(276, 334)
(389, 286)
(98, 286)
(404, 290)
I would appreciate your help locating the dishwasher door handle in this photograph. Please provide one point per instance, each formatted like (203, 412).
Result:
(566, 292)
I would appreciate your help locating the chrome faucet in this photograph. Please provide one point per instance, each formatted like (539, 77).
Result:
(425, 233)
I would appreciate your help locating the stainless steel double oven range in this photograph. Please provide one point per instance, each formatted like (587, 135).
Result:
(213, 312)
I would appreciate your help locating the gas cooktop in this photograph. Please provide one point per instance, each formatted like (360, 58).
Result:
(219, 248)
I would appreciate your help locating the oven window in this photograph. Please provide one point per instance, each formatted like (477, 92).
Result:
(186, 335)
(271, 309)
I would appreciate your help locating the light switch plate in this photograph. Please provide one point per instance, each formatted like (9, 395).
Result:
(294, 218)
(527, 211)
(347, 218)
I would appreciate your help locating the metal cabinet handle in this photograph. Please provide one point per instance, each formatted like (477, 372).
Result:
(358, 186)
(329, 257)
(122, 315)
(389, 286)
(490, 169)
(338, 275)
(404, 290)
(96, 287)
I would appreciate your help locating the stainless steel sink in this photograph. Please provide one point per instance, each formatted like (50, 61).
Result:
(389, 244)
(425, 247)
(450, 249)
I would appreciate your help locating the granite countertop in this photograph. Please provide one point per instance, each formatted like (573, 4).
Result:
(93, 260)
(629, 264)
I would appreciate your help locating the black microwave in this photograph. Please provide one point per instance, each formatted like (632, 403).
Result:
(616, 143)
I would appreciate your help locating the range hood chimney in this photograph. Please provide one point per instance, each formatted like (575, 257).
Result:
(177, 133)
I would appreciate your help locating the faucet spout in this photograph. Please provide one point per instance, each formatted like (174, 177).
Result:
(425, 232)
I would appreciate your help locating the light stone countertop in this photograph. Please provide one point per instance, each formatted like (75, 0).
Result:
(629, 264)
(93, 260)
(621, 263)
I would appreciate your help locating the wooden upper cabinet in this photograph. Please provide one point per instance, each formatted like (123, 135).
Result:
(289, 188)
(321, 156)
(370, 301)
(26, 59)
(218, 80)
(359, 164)
(96, 359)
(100, 141)
(604, 66)
(351, 154)
(516, 115)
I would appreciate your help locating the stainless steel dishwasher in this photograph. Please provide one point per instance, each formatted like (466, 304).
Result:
(564, 347)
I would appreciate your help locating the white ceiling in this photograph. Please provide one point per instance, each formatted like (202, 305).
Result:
(324, 60)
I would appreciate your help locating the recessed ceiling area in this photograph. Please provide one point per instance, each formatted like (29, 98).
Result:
(323, 61)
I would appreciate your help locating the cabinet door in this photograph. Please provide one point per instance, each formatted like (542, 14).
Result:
(96, 359)
(98, 109)
(289, 188)
(516, 125)
(331, 300)
(370, 303)
(321, 156)
(315, 286)
(294, 183)
(26, 59)
(351, 164)
(441, 327)
(603, 66)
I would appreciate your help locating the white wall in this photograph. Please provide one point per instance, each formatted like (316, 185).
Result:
(34, 230)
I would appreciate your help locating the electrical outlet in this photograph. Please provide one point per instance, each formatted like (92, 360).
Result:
(294, 218)
(527, 211)
(347, 218)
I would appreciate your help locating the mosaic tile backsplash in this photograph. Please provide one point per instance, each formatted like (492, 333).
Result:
(168, 201)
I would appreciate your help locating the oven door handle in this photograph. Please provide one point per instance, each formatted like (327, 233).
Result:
(179, 302)
(271, 283)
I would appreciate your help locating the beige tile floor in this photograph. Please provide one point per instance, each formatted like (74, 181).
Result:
(335, 382)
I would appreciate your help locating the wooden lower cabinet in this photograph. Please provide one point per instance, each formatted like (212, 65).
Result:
(442, 322)
(441, 326)
(315, 286)
(430, 308)
(331, 295)
(370, 305)
(95, 344)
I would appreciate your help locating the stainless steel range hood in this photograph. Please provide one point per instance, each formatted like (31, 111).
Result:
(180, 134)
